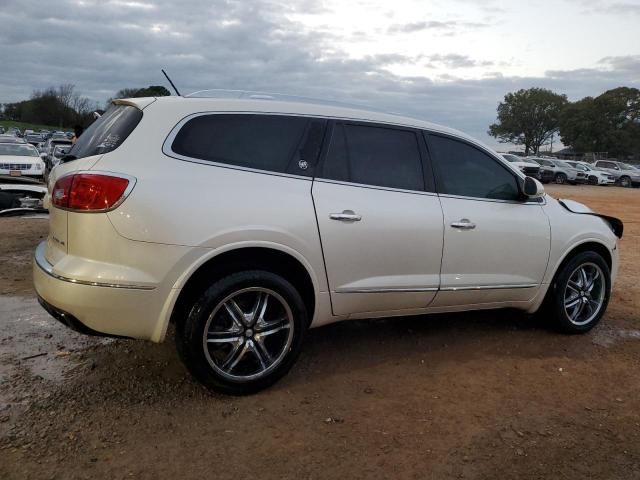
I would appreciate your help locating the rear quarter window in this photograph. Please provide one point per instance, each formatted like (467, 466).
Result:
(108, 132)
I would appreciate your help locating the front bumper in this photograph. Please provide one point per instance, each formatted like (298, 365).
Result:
(98, 309)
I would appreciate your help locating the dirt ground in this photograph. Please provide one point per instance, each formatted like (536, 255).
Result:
(475, 396)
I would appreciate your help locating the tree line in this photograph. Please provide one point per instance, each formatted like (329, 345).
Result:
(64, 107)
(607, 123)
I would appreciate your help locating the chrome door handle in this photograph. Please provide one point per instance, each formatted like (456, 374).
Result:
(464, 224)
(346, 216)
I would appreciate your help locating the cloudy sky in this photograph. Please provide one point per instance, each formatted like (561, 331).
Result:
(448, 61)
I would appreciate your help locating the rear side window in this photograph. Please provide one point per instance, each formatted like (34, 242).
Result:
(464, 170)
(108, 132)
(276, 143)
(372, 155)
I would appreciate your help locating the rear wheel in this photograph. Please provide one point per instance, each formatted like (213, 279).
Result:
(244, 332)
(580, 293)
(560, 178)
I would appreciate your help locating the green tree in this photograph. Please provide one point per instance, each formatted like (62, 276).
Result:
(528, 117)
(607, 123)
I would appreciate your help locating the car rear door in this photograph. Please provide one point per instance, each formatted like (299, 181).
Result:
(379, 219)
(496, 245)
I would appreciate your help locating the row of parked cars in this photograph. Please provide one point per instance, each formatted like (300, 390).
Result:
(602, 172)
(32, 154)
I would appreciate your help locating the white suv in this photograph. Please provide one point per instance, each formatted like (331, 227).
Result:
(246, 221)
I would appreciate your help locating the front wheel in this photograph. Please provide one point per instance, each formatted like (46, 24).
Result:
(580, 293)
(244, 332)
(593, 180)
(625, 182)
(560, 178)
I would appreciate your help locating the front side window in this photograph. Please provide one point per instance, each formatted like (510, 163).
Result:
(464, 170)
(276, 143)
(372, 155)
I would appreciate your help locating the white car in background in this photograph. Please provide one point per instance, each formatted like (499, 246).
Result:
(531, 169)
(247, 221)
(594, 176)
(20, 159)
(562, 171)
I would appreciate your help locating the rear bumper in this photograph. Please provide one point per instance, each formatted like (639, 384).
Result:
(99, 309)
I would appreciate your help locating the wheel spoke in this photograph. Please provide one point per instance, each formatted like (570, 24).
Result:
(573, 286)
(234, 357)
(260, 307)
(577, 312)
(591, 284)
(223, 338)
(571, 302)
(269, 328)
(236, 314)
(262, 348)
(258, 353)
(583, 277)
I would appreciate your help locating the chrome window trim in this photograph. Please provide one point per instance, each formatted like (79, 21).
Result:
(542, 201)
(47, 268)
(374, 187)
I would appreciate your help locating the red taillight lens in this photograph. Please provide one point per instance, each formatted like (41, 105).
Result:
(88, 191)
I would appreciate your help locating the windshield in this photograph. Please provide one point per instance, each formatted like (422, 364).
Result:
(108, 132)
(18, 149)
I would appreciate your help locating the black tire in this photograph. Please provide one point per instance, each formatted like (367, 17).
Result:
(593, 180)
(555, 302)
(191, 331)
(625, 182)
(560, 178)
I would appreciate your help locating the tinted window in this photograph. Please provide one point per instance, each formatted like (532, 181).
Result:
(107, 133)
(465, 170)
(266, 142)
(379, 156)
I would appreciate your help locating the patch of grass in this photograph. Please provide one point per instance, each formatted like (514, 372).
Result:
(30, 126)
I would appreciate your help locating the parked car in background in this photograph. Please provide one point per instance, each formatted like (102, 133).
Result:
(562, 171)
(594, 176)
(626, 175)
(20, 159)
(11, 139)
(529, 167)
(285, 215)
(59, 135)
(59, 151)
(48, 149)
(2, 129)
(35, 139)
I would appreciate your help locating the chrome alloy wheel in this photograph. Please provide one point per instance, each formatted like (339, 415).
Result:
(248, 334)
(584, 294)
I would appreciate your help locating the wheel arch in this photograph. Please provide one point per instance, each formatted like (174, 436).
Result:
(269, 257)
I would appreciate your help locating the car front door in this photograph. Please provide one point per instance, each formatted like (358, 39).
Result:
(496, 245)
(379, 219)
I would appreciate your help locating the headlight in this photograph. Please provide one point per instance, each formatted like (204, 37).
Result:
(38, 166)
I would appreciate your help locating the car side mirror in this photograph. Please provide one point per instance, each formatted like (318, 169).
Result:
(43, 155)
(533, 188)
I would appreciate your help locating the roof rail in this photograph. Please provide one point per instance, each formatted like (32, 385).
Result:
(253, 95)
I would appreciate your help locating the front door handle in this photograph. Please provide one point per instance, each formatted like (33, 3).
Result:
(464, 224)
(346, 216)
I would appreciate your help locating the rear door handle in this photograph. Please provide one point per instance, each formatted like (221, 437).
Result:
(346, 216)
(464, 224)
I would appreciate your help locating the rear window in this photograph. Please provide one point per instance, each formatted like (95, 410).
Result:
(108, 132)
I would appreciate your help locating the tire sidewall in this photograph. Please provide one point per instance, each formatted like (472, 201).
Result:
(189, 335)
(559, 285)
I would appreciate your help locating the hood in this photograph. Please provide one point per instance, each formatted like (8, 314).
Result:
(578, 208)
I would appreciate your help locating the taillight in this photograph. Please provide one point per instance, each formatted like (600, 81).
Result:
(88, 191)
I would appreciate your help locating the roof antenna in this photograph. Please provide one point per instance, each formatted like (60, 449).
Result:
(174, 87)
